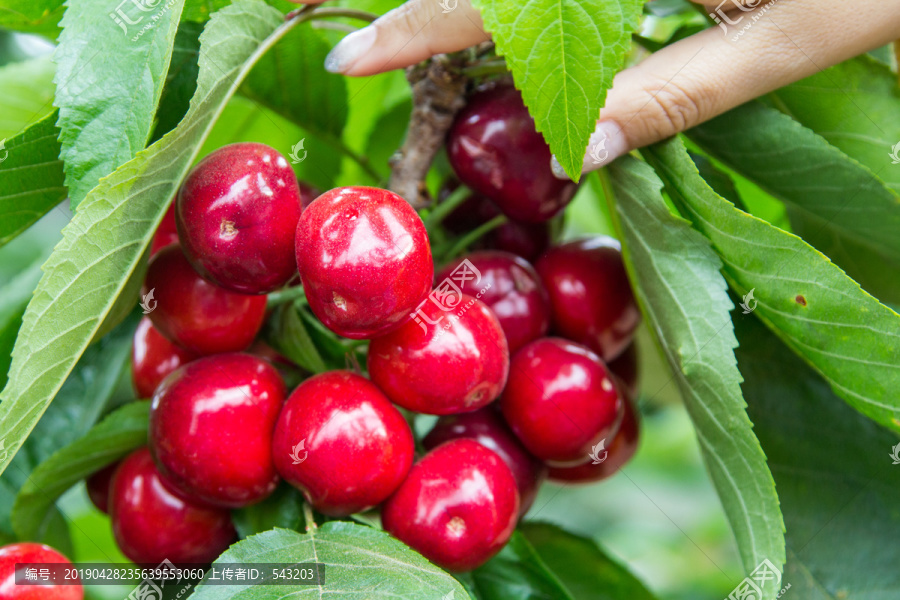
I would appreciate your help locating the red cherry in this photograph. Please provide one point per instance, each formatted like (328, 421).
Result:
(514, 293)
(152, 523)
(28, 552)
(560, 400)
(153, 357)
(590, 296)
(98, 487)
(442, 362)
(211, 426)
(626, 368)
(342, 443)
(619, 452)
(308, 193)
(196, 314)
(364, 260)
(487, 427)
(237, 212)
(166, 233)
(495, 150)
(457, 507)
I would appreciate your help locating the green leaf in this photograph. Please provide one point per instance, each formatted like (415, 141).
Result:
(34, 16)
(517, 573)
(181, 80)
(31, 178)
(109, 80)
(287, 334)
(16, 295)
(114, 437)
(104, 243)
(835, 477)
(822, 314)
(360, 563)
(26, 94)
(683, 297)
(281, 509)
(843, 202)
(563, 55)
(585, 571)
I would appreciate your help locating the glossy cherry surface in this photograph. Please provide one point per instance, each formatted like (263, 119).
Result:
(166, 233)
(196, 314)
(514, 293)
(211, 426)
(495, 150)
(152, 523)
(342, 443)
(28, 552)
(153, 357)
(560, 400)
(237, 213)
(487, 427)
(98, 487)
(364, 260)
(590, 296)
(618, 452)
(442, 362)
(457, 507)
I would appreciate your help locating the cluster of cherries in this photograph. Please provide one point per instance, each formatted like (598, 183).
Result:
(470, 345)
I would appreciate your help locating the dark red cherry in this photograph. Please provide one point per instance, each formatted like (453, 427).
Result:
(166, 233)
(237, 213)
(626, 368)
(608, 461)
(443, 361)
(98, 487)
(152, 523)
(590, 297)
(153, 357)
(495, 150)
(196, 314)
(342, 443)
(457, 507)
(364, 260)
(308, 193)
(29, 552)
(487, 427)
(560, 400)
(211, 426)
(512, 289)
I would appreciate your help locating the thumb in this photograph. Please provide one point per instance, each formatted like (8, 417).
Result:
(713, 71)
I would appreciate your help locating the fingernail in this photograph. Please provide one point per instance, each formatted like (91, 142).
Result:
(606, 144)
(349, 50)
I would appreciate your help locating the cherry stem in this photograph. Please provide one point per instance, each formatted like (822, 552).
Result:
(309, 518)
(486, 68)
(282, 296)
(311, 12)
(475, 235)
(440, 212)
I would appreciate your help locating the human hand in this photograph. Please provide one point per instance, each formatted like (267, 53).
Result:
(682, 85)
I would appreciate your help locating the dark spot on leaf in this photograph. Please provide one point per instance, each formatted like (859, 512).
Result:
(800, 300)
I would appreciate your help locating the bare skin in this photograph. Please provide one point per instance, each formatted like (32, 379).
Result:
(674, 89)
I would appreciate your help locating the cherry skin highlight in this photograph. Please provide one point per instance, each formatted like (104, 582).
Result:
(560, 400)
(514, 293)
(364, 260)
(153, 357)
(29, 552)
(487, 427)
(152, 523)
(590, 296)
(495, 150)
(211, 426)
(458, 506)
(195, 314)
(237, 212)
(442, 362)
(342, 443)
